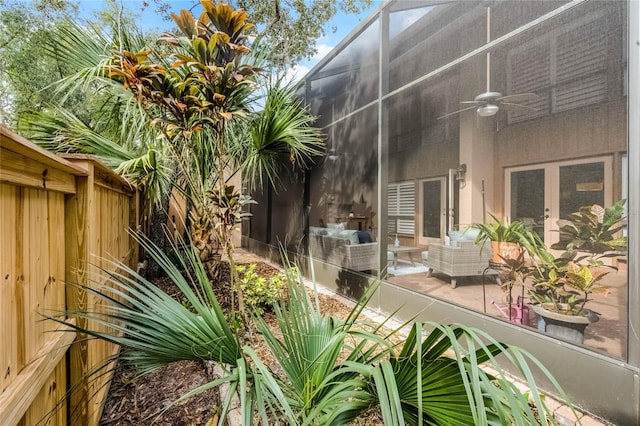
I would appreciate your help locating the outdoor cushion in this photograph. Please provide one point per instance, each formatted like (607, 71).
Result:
(464, 235)
(316, 230)
(470, 234)
(338, 226)
(349, 235)
(364, 237)
(454, 237)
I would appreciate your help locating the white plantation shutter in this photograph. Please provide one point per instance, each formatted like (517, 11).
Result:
(406, 226)
(401, 204)
(392, 199)
(530, 73)
(581, 65)
(566, 69)
(406, 199)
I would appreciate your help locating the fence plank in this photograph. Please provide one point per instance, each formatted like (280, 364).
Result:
(22, 171)
(15, 401)
(79, 233)
(55, 289)
(8, 312)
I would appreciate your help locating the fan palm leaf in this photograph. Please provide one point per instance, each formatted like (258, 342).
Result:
(281, 134)
(153, 328)
(422, 384)
(60, 131)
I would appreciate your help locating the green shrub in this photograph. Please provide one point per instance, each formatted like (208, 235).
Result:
(321, 370)
(259, 292)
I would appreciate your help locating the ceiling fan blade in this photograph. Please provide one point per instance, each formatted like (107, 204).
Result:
(522, 109)
(456, 112)
(519, 98)
(477, 103)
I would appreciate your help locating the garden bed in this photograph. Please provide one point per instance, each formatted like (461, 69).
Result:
(135, 401)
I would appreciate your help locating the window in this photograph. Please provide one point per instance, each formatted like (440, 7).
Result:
(567, 69)
(401, 201)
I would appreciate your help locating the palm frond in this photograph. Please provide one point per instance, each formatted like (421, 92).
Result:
(307, 347)
(88, 49)
(151, 173)
(152, 327)
(436, 389)
(280, 134)
(61, 131)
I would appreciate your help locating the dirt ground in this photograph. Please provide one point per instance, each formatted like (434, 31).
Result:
(142, 401)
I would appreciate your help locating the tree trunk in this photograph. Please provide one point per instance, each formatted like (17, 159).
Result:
(158, 236)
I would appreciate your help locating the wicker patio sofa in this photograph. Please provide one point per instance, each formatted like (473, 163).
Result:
(342, 248)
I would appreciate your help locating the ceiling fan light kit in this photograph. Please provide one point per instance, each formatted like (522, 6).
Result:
(487, 110)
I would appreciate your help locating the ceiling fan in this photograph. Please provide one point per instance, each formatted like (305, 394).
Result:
(489, 103)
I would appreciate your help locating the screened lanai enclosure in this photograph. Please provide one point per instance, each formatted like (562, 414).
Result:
(440, 115)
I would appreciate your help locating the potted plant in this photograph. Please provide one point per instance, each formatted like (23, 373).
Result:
(593, 229)
(507, 240)
(560, 290)
(561, 285)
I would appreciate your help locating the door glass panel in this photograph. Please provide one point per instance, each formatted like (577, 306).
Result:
(581, 185)
(527, 199)
(432, 209)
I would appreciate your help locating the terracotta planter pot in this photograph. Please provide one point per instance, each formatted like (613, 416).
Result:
(502, 250)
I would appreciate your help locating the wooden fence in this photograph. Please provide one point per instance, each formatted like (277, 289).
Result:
(59, 219)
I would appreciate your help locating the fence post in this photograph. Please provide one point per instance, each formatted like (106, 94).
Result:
(79, 230)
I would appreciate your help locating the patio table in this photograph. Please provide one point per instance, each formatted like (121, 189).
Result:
(403, 249)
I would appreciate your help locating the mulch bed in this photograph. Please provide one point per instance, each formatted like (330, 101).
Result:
(137, 401)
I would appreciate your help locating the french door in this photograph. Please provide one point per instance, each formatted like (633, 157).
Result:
(432, 212)
(539, 195)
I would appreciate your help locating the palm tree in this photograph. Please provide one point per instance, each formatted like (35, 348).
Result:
(195, 101)
(196, 90)
(117, 130)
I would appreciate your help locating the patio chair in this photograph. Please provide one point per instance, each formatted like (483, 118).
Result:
(461, 258)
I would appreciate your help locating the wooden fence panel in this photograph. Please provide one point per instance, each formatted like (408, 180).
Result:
(55, 214)
(33, 283)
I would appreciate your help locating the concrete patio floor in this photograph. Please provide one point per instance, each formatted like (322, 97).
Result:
(607, 336)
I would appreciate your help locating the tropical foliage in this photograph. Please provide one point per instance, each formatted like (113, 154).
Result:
(324, 370)
(293, 29)
(181, 113)
(262, 293)
(593, 229)
(507, 241)
(113, 128)
(497, 230)
(194, 100)
(564, 283)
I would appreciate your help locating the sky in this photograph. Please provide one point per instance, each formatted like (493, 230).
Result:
(149, 20)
